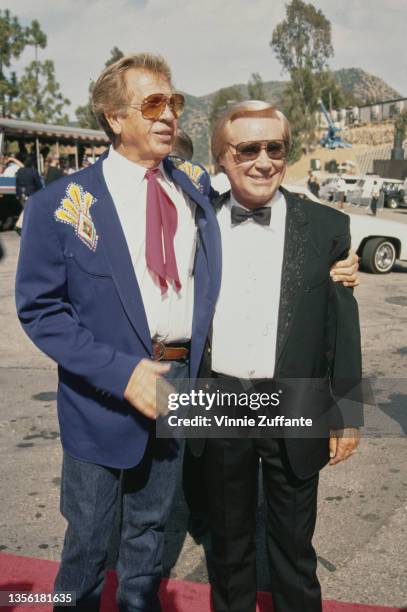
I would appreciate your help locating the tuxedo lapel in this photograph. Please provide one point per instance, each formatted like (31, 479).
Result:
(113, 241)
(296, 236)
(220, 201)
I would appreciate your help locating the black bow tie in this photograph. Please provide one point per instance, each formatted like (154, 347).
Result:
(261, 215)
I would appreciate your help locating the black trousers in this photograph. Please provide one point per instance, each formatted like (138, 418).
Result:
(231, 468)
(195, 494)
(373, 205)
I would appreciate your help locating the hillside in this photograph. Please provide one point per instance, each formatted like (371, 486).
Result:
(366, 87)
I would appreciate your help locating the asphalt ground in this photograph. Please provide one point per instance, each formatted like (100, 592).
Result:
(362, 520)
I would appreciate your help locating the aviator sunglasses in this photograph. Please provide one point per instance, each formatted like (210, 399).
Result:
(249, 151)
(153, 106)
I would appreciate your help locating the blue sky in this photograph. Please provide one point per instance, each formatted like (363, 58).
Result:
(208, 43)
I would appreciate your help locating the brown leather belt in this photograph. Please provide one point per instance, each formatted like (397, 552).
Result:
(170, 352)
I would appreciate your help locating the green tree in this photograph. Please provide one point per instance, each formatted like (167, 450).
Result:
(221, 100)
(13, 89)
(115, 55)
(13, 39)
(302, 44)
(400, 129)
(85, 114)
(329, 90)
(37, 39)
(255, 87)
(40, 98)
(301, 126)
(303, 39)
(300, 105)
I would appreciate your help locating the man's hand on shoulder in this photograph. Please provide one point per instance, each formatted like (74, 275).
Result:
(345, 270)
(343, 444)
(147, 391)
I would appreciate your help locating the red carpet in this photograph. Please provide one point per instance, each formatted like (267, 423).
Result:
(37, 575)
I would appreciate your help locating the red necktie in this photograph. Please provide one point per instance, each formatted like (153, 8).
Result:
(161, 225)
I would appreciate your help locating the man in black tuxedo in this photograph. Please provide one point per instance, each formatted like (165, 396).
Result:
(279, 319)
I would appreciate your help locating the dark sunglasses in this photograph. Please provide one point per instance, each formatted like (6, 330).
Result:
(249, 151)
(153, 106)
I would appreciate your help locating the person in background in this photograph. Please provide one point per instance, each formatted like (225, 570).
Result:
(12, 166)
(85, 162)
(54, 171)
(340, 193)
(183, 146)
(66, 165)
(71, 165)
(313, 184)
(375, 198)
(28, 181)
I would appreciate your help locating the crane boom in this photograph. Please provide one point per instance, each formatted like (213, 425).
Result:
(331, 139)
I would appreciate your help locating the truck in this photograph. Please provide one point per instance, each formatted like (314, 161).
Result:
(392, 192)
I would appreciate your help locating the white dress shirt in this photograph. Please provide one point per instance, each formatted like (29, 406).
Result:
(169, 316)
(246, 315)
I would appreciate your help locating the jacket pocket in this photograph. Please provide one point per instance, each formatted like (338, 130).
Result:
(94, 267)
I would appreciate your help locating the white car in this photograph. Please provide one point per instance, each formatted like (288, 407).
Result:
(378, 242)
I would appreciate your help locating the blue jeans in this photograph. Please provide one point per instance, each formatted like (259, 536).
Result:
(89, 495)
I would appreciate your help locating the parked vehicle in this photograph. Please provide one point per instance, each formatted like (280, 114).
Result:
(361, 195)
(378, 242)
(394, 194)
(331, 185)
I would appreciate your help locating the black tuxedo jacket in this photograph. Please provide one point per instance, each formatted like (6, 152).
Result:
(318, 334)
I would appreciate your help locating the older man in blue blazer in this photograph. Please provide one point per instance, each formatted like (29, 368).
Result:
(112, 285)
